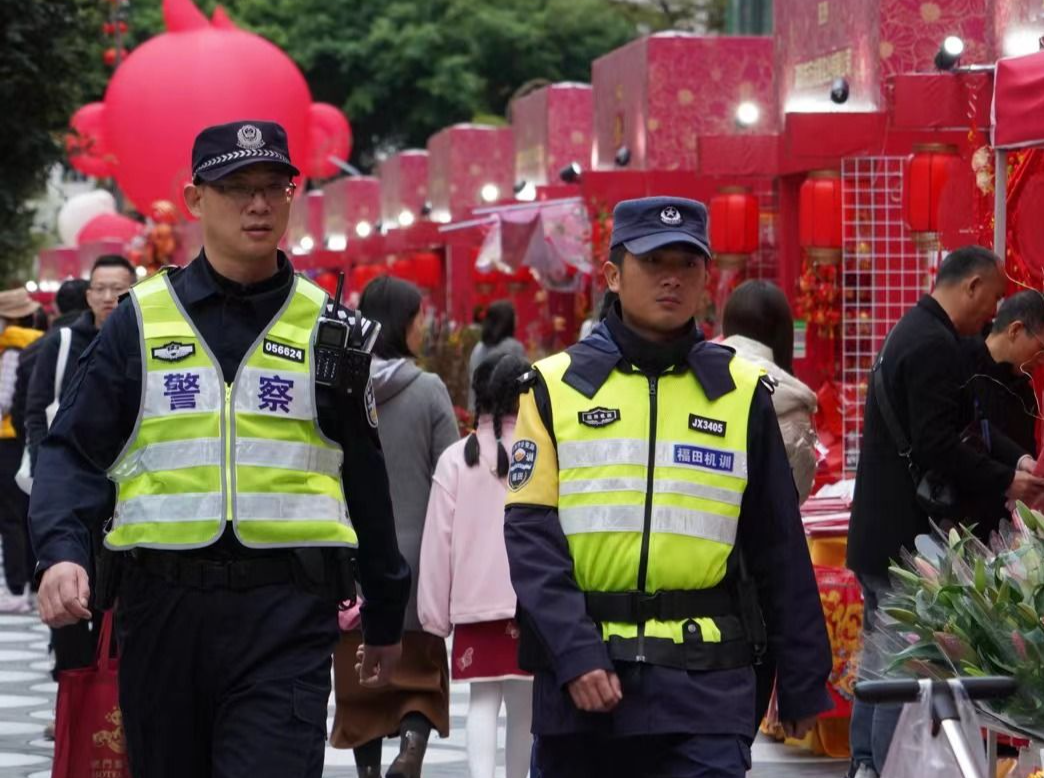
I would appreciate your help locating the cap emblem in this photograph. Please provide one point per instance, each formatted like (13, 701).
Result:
(670, 216)
(249, 137)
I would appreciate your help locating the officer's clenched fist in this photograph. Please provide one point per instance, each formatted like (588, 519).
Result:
(596, 692)
(63, 596)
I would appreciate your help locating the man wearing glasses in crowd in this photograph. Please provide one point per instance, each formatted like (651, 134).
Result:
(236, 471)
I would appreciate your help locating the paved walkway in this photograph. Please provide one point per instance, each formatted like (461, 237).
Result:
(27, 702)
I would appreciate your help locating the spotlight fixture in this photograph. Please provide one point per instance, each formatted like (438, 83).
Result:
(425, 209)
(570, 174)
(622, 158)
(306, 243)
(406, 217)
(747, 114)
(31, 286)
(364, 229)
(140, 271)
(525, 191)
(839, 91)
(949, 53)
(490, 193)
(337, 242)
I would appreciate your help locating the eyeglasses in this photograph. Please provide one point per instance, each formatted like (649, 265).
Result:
(103, 290)
(243, 194)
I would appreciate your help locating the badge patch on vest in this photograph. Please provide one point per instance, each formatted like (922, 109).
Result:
(523, 458)
(283, 351)
(709, 458)
(599, 417)
(709, 426)
(371, 405)
(173, 351)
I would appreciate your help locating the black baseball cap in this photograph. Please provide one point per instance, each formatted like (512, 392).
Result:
(650, 223)
(225, 148)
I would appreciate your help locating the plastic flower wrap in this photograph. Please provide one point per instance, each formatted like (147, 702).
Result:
(962, 608)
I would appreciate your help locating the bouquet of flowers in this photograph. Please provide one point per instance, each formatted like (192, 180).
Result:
(962, 608)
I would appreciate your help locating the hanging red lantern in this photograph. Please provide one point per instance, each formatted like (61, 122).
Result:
(819, 217)
(734, 226)
(925, 174)
(427, 269)
(109, 57)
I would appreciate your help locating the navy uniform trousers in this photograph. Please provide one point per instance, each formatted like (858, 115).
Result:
(224, 684)
(640, 756)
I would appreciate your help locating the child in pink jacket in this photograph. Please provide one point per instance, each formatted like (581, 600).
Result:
(464, 585)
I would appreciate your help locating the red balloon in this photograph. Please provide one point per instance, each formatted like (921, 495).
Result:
(109, 226)
(85, 145)
(195, 75)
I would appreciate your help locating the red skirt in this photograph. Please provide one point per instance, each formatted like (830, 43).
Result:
(486, 651)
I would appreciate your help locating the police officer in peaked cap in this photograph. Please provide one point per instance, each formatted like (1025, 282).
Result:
(233, 486)
(653, 532)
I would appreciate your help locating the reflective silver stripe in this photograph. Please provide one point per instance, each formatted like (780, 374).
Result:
(628, 451)
(591, 485)
(597, 485)
(258, 452)
(266, 391)
(598, 453)
(165, 508)
(631, 518)
(257, 506)
(171, 455)
(171, 391)
(694, 524)
(602, 518)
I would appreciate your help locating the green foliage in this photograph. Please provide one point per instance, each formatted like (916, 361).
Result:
(403, 69)
(974, 610)
(43, 80)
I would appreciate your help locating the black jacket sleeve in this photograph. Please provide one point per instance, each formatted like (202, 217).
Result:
(39, 395)
(932, 379)
(773, 542)
(72, 496)
(383, 573)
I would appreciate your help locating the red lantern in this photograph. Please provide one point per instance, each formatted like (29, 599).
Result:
(364, 274)
(734, 226)
(109, 57)
(427, 269)
(925, 174)
(819, 216)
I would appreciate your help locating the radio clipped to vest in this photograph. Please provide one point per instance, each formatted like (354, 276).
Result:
(343, 347)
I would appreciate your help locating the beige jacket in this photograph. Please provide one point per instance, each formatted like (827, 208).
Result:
(795, 406)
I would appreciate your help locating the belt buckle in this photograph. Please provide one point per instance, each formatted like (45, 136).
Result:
(645, 606)
(214, 575)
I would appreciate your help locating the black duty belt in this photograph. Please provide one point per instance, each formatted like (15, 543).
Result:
(234, 574)
(635, 607)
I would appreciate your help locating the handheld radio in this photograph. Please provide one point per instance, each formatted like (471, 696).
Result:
(343, 346)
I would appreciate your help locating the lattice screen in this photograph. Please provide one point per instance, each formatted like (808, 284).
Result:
(765, 262)
(884, 274)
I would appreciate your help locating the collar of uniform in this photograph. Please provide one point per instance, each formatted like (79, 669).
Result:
(596, 356)
(199, 280)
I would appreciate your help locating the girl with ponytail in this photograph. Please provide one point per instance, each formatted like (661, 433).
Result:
(464, 586)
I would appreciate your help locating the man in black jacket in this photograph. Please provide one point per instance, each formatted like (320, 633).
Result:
(1002, 388)
(925, 376)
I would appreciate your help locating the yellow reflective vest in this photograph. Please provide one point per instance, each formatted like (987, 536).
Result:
(204, 453)
(647, 476)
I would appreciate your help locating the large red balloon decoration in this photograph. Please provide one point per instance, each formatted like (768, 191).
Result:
(109, 226)
(197, 74)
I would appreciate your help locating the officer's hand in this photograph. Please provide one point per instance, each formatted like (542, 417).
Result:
(596, 692)
(798, 729)
(63, 596)
(376, 664)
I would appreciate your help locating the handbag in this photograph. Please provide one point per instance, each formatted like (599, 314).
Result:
(89, 740)
(24, 477)
(934, 493)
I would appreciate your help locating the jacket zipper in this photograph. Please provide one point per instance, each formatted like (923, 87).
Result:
(643, 560)
(229, 470)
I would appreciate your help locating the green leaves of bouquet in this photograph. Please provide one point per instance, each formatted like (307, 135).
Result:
(962, 608)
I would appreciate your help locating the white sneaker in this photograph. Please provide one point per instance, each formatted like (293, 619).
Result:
(15, 603)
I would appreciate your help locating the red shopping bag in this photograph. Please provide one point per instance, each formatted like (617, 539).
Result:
(88, 738)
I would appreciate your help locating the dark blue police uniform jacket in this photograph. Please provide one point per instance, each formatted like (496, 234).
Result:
(663, 700)
(72, 496)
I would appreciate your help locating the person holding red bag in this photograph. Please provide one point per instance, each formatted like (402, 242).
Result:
(245, 480)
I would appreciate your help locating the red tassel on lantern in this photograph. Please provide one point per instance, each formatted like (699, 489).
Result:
(925, 173)
(819, 216)
(734, 226)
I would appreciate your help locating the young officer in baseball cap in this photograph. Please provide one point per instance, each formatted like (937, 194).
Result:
(243, 485)
(653, 531)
